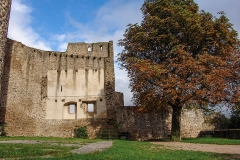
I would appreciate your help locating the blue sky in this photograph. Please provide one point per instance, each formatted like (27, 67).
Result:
(51, 24)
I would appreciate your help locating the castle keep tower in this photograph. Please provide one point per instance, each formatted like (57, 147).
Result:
(47, 93)
(5, 6)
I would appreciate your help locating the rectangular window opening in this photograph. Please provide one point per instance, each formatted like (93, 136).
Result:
(90, 107)
(72, 108)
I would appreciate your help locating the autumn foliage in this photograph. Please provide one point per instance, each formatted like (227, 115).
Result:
(179, 55)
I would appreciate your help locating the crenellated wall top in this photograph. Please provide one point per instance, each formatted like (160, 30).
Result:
(75, 50)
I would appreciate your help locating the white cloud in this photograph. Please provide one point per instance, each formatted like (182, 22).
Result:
(20, 27)
(60, 38)
(117, 14)
(62, 47)
(110, 22)
(61, 42)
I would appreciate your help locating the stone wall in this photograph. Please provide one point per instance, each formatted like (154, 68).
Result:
(215, 121)
(157, 124)
(226, 133)
(5, 6)
(25, 92)
(192, 122)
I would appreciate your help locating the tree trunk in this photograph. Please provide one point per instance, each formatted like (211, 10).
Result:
(176, 123)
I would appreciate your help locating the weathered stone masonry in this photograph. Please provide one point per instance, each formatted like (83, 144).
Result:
(4, 19)
(36, 107)
(37, 87)
(5, 7)
(157, 124)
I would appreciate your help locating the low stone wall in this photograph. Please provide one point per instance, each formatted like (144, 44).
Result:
(156, 124)
(227, 133)
(58, 128)
(215, 121)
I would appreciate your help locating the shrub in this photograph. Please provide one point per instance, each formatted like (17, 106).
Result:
(2, 129)
(81, 132)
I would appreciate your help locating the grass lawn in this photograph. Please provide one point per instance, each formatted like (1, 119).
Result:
(134, 150)
(121, 149)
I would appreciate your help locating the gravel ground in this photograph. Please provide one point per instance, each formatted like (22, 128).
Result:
(40, 142)
(224, 149)
(22, 142)
(93, 147)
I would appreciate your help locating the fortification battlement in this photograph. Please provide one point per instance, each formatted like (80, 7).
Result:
(74, 50)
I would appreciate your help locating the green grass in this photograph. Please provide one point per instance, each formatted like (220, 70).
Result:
(211, 140)
(129, 150)
(121, 149)
(31, 151)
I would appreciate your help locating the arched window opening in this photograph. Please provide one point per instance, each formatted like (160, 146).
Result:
(71, 107)
(101, 48)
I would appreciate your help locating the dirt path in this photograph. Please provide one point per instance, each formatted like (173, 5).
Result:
(40, 142)
(87, 148)
(99, 146)
(224, 149)
(93, 147)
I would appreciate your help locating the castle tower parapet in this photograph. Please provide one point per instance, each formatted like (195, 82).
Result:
(100, 49)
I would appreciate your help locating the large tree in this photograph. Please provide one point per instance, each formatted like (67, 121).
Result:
(178, 56)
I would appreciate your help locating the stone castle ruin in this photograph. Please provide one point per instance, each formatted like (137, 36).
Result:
(47, 93)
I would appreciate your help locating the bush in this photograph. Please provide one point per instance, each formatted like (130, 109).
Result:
(2, 129)
(81, 132)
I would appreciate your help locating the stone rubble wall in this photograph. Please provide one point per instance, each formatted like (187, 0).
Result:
(24, 92)
(192, 123)
(157, 124)
(215, 121)
(5, 6)
(225, 133)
